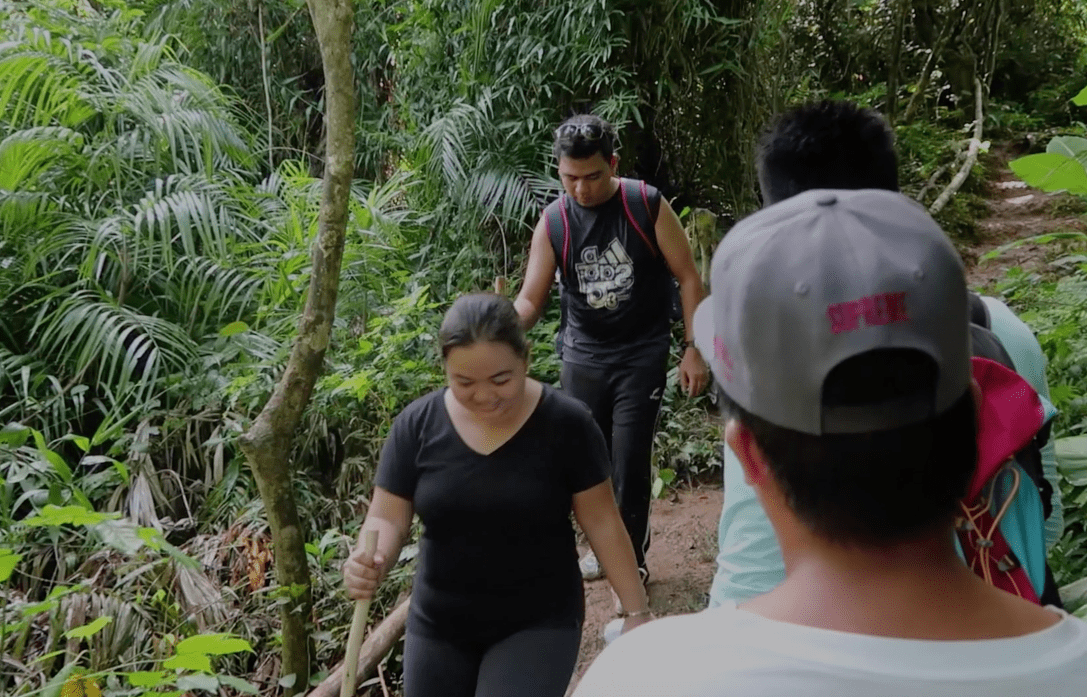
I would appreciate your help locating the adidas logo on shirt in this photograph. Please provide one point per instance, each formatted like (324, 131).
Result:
(605, 279)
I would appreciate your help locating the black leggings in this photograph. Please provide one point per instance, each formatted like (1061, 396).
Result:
(534, 662)
(625, 403)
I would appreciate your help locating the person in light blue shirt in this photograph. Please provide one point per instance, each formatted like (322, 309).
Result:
(835, 144)
(1026, 354)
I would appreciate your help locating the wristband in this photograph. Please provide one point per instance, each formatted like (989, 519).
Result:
(639, 613)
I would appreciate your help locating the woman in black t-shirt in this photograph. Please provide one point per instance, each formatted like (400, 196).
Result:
(494, 464)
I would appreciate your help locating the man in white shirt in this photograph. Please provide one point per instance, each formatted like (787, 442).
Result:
(837, 329)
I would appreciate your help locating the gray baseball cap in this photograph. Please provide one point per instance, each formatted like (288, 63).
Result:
(826, 275)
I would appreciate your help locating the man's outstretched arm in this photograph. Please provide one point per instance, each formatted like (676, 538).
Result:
(539, 275)
(693, 373)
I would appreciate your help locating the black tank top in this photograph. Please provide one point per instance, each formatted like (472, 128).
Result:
(617, 287)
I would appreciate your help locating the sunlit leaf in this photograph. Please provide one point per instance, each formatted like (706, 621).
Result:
(213, 645)
(81, 686)
(53, 458)
(234, 328)
(89, 630)
(68, 515)
(14, 434)
(8, 560)
(189, 661)
(1069, 146)
(153, 678)
(1051, 171)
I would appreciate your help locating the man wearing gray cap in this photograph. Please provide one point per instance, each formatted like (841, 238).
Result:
(837, 330)
(839, 145)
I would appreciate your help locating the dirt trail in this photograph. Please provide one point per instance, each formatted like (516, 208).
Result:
(684, 527)
(681, 561)
(1017, 211)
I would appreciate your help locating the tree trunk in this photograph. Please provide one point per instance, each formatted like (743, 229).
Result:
(267, 444)
(992, 50)
(924, 24)
(896, 60)
(949, 30)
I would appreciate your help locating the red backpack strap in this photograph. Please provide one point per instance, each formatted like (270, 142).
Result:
(636, 206)
(987, 553)
(1010, 414)
(558, 230)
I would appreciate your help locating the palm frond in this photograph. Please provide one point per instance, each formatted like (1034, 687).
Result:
(39, 396)
(510, 191)
(27, 153)
(209, 294)
(186, 215)
(43, 82)
(23, 212)
(449, 139)
(86, 332)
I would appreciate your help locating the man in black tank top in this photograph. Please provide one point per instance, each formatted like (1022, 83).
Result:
(616, 277)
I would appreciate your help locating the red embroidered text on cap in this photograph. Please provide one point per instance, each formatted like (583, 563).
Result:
(873, 311)
(721, 353)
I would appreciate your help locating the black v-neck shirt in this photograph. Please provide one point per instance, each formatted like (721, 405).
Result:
(497, 551)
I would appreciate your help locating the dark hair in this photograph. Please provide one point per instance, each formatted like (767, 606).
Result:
(581, 143)
(482, 317)
(881, 488)
(826, 145)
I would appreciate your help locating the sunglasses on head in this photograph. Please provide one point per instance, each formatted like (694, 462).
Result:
(584, 131)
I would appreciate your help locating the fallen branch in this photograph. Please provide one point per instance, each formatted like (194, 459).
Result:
(971, 155)
(960, 155)
(380, 641)
(932, 182)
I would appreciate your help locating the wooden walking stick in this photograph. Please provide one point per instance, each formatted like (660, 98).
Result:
(358, 626)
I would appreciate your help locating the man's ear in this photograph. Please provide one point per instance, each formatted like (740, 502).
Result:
(614, 162)
(742, 441)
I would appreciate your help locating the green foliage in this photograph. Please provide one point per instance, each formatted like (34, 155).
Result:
(116, 636)
(1069, 556)
(688, 442)
(158, 202)
(116, 229)
(1055, 309)
(1042, 61)
(923, 147)
(1007, 120)
(375, 375)
(154, 282)
(928, 156)
(225, 40)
